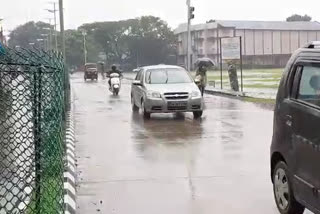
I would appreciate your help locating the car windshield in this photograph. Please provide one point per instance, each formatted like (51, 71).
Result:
(91, 66)
(167, 76)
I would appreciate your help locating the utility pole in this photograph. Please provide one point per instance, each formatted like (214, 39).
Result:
(63, 50)
(190, 17)
(54, 11)
(50, 34)
(63, 47)
(84, 34)
(55, 26)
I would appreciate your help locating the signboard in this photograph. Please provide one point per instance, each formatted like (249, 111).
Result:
(230, 48)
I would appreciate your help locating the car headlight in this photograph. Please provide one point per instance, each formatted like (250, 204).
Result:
(153, 94)
(195, 94)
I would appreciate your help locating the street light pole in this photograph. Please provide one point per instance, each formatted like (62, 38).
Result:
(54, 11)
(55, 26)
(190, 17)
(84, 34)
(63, 47)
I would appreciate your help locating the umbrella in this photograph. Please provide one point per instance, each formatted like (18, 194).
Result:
(205, 62)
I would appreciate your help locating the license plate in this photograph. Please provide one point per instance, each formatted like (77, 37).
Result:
(177, 104)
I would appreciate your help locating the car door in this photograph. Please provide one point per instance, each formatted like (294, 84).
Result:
(140, 88)
(304, 119)
(134, 89)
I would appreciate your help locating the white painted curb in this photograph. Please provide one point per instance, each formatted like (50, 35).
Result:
(70, 167)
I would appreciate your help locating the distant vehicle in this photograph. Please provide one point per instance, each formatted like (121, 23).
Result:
(165, 89)
(295, 149)
(115, 83)
(91, 71)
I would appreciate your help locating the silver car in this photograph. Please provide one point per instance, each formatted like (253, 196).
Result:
(165, 89)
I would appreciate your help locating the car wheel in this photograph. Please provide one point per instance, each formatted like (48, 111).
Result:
(197, 114)
(133, 105)
(283, 194)
(145, 113)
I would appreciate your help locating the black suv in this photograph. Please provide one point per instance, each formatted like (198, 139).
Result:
(295, 149)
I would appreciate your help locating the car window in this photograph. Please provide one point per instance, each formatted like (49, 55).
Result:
(89, 66)
(309, 87)
(138, 75)
(167, 76)
(141, 77)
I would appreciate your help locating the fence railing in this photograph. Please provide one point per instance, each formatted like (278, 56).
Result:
(32, 109)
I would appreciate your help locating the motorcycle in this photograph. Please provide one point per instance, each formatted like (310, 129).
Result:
(115, 83)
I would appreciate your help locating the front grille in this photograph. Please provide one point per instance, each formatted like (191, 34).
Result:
(156, 108)
(195, 107)
(177, 108)
(176, 95)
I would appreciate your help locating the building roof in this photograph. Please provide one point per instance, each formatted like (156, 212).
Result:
(253, 25)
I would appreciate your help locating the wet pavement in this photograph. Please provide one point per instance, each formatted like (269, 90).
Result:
(170, 164)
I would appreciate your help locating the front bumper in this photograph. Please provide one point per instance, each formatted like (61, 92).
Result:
(90, 75)
(162, 105)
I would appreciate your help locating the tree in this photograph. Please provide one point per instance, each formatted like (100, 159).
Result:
(133, 42)
(75, 48)
(299, 18)
(31, 33)
(141, 41)
(152, 41)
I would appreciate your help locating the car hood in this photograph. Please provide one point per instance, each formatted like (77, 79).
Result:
(167, 88)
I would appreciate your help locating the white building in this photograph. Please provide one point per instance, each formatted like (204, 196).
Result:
(265, 43)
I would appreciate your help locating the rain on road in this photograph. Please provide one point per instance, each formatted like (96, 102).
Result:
(170, 164)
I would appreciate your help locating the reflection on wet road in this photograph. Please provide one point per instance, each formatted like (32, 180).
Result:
(170, 164)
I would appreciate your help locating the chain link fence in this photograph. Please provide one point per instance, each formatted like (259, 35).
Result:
(32, 109)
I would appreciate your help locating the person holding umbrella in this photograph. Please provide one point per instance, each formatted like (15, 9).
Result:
(201, 74)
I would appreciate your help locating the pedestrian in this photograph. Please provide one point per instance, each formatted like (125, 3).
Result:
(233, 76)
(201, 73)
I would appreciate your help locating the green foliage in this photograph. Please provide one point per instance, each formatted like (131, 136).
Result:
(299, 18)
(75, 48)
(133, 42)
(29, 33)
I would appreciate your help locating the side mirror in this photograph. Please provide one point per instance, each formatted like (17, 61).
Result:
(137, 82)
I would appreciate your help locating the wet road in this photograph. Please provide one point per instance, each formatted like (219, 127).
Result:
(171, 164)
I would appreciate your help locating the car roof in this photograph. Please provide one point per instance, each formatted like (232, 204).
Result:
(309, 49)
(161, 66)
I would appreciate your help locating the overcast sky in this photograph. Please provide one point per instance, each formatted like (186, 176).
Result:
(77, 12)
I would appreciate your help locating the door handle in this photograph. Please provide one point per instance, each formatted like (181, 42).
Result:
(289, 120)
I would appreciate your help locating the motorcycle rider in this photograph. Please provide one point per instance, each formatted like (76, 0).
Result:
(113, 70)
(202, 72)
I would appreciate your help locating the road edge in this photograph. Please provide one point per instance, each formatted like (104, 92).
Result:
(70, 169)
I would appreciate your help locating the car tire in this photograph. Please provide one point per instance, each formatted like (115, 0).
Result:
(283, 192)
(146, 114)
(197, 114)
(133, 105)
